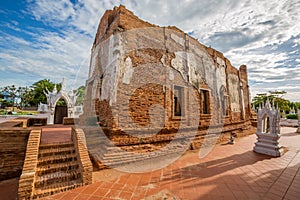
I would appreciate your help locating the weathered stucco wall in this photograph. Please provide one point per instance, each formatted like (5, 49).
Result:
(137, 69)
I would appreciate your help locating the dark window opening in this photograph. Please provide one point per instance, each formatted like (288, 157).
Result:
(178, 101)
(205, 105)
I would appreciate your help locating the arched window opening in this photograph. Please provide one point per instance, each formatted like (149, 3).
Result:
(266, 124)
(224, 100)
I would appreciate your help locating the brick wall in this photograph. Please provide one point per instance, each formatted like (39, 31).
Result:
(13, 142)
(37, 121)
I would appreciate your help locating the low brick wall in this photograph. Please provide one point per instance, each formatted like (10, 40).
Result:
(30, 163)
(11, 124)
(164, 136)
(86, 166)
(37, 122)
(70, 121)
(13, 142)
(22, 120)
(102, 152)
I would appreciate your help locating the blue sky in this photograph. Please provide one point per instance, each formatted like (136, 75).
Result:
(52, 39)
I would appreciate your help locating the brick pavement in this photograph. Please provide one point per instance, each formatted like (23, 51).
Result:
(55, 134)
(228, 172)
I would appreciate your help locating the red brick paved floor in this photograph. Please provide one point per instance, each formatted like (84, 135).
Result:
(228, 172)
(55, 134)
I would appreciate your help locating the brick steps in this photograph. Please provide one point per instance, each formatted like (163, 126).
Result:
(56, 177)
(57, 159)
(46, 169)
(57, 169)
(50, 190)
(117, 157)
(56, 151)
(55, 147)
(105, 154)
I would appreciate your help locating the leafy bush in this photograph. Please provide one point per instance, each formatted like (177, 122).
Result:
(292, 116)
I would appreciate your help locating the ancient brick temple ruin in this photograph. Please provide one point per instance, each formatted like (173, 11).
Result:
(151, 88)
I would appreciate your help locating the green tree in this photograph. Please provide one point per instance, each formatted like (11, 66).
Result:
(12, 92)
(294, 105)
(275, 97)
(61, 102)
(80, 91)
(1, 102)
(39, 88)
(26, 96)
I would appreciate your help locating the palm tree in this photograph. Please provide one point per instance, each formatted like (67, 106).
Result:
(12, 93)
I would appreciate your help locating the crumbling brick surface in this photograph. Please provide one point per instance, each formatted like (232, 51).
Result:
(136, 71)
(13, 143)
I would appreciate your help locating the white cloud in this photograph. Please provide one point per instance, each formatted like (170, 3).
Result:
(48, 56)
(51, 11)
(262, 34)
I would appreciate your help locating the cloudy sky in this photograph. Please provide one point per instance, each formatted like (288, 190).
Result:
(52, 39)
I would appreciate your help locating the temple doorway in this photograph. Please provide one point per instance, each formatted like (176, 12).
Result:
(61, 111)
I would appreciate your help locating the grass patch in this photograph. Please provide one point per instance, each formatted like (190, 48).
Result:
(20, 112)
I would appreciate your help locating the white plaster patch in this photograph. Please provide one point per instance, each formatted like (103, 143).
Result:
(221, 78)
(111, 68)
(93, 62)
(163, 60)
(220, 61)
(194, 67)
(106, 87)
(171, 75)
(128, 71)
(201, 66)
(192, 64)
(177, 39)
(177, 63)
(198, 51)
(233, 82)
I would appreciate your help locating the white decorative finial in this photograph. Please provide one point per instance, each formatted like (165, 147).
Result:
(63, 85)
(268, 103)
(54, 90)
(259, 107)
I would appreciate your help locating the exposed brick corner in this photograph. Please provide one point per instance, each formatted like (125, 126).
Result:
(83, 155)
(28, 174)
